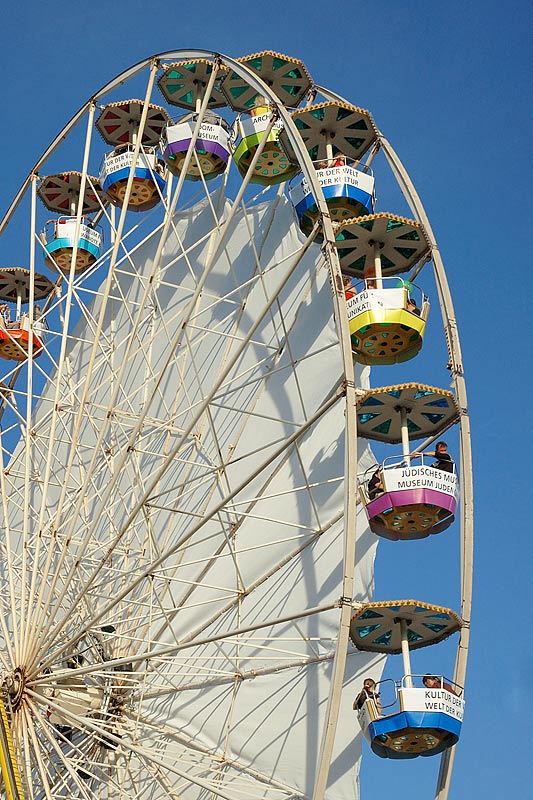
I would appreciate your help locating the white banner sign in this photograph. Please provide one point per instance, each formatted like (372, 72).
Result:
(374, 299)
(125, 160)
(433, 700)
(91, 235)
(208, 132)
(256, 125)
(335, 176)
(67, 230)
(420, 478)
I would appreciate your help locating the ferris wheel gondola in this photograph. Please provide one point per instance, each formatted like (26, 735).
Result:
(185, 544)
(123, 124)
(259, 147)
(184, 84)
(386, 325)
(412, 498)
(423, 719)
(63, 235)
(25, 332)
(336, 135)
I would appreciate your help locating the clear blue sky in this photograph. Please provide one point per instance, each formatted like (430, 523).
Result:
(448, 84)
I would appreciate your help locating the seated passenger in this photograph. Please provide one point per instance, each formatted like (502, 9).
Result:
(338, 161)
(375, 485)
(444, 460)
(412, 307)
(434, 682)
(368, 692)
(349, 290)
(260, 106)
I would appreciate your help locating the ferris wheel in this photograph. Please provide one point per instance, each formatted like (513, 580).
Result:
(187, 605)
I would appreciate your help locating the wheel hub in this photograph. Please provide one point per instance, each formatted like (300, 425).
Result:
(14, 684)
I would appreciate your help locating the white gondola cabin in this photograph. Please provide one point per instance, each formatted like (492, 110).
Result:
(411, 502)
(348, 192)
(387, 321)
(418, 715)
(60, 240)
(15, 338)
(211, 149)
(273, 165)
(408, 496)
(419, 720)
(20, 332)
(122, 124)
(148, 177)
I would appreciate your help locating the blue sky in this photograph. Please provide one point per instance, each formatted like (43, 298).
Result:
(449, 85)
